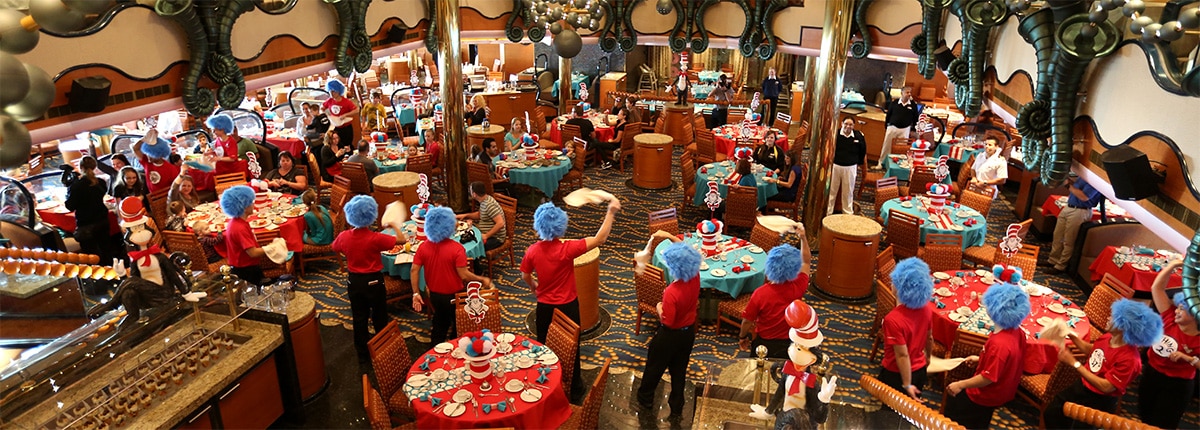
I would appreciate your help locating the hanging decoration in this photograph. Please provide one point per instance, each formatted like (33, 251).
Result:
(209, 26)
(352, 36)
(561, 17)
(431, 40)
(757, 38)
(689, 31)
(860, 48)
(978, 18)
(618, 30)
(925, 43)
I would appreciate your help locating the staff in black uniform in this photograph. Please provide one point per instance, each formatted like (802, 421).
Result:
(849, 154)
(901, 118)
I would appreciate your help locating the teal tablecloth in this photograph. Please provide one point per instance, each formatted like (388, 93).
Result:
(765, 190)
(701, 92)
(944, 149)
(576, 79)
(709, 76)
(406, 116)
(892, 167)
(543, 178)
(388, 168)
(973, 235)
(734, 284)
(404, 270)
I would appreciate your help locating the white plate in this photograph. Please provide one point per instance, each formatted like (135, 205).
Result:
(717, 272)
(1139, 266)
(1057, 308)
(514, 386)
(987, 280)
(418, 380)
(454, 409)
(944, 292)
(457, 353)
(504, 348)
(982, 272)
(548, 359)
(1125, 250)
(747, 259)
(439, 375)
(703, 266)
(1076, 312)
(506, 337)
(1045, 321)
(941, 275)
(1035, 292)
(525, 362)
(463, 396)
(957, 317)
(443, 347)
(956, 227)
(906, 204)
(531, 395)
(755, 250)
(964, 310)
(932, 219)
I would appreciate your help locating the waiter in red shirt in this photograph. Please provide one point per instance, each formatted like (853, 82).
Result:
(971, 401)
(1169, 381)
(553, 260)
(787, 280)
(361, 246)
(225, 145)
(241, 247)
(341, 111)
(671, 347)
(445, 264)
(906, 329)
(153, 151)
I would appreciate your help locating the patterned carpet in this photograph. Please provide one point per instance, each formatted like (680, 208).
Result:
(846, 327)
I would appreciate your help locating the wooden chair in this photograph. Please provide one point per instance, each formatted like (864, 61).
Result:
(491, 320)
(649, 287)
(741, 206)
(904, 234)
(628, 145)
(315, 180)
(964, 177)
(985, 255)
(36, 166)
(563, 340)
(422, 163)
(509, 206)
(359, 184)
(1101, 419)
(763, 237)
(575, 178)
(399, 290)
(226, 181)
(885, 262)
(687, 175)
(918, 414)
(159, 206)
(783, 121)
(479, 172)
(569, 132)
(885, 301)
(885, 189)
(1099, 304)
(588, 415)
(730, 311)
(706, 148)
(664, 219)
(736, 115)
(339, 194)
(919, 181)
(186, 242)
(660, 124)
(943, 252)
(791, 208)
(377, 413)
(965, 344)
(270, 268)
(312, 252)
(901, 145)
(390, 360)
(1039, 390)
(974, 200)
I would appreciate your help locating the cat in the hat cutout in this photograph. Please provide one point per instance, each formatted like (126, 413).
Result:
(681, 86)
(476, 307)
(713, 197)
(800, 394)
(942, 170)
(1011, 242)
(252, 165)
(583, 94)
(423, 188)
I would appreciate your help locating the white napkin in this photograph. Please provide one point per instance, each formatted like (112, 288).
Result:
(1055, 333)
(277, 250)
(584, 196)
(394, 214)
(642, 258)
(778, 223)
(938, 364)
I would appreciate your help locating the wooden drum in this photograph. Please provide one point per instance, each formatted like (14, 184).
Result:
(388, 184)
(476, 134)
(652, 161)
(306, 345)
(679, 124)
(847, 242)
(587, 285)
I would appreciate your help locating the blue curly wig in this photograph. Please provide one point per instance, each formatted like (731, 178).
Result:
(361, 211)
(783, 264)
(912, 282)
(1178, 299)
(335, 86)
(235, 200)
(220, 122)
(683, 261)
(439, 224)
(1140, 326)
(549, 221)
(1007, 305)
(160, 150)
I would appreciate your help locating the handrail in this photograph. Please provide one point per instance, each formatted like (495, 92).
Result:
(919, 415)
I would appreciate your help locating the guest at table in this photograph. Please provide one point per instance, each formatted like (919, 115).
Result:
(208, 243)
(118, 161)
(318, 225)
(241, 247)
(771, 87)
(971, 401)
(906, 329)
(482, 153)
(361, 246)
(328, 154)
(362, 155)
(251, 103)
(901, 117)
(152, 151)
(723, 92)
(489, 218)
(85, 197)
(1112, 364)
(990, 169)
(432, 147)
(618, 106)
(768, 154)
(671, 347)
(787, 179)
(787, 273)
(341, 112)
(202, 145)
(176, 221)
(373, 113)
(1080, 201)
(477, 110)
(606, 148)
(183, 190)
(128, 183)
(286, 178)
(586, 129)
(175, 159)
(850, 154)
(745, 172)
(305, 120)
(552, 259)
(512, 139)
(316, 128)
(445, 264)
(225, 148)
(1169, 381)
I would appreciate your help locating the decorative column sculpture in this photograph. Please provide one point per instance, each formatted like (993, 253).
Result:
(454, 161)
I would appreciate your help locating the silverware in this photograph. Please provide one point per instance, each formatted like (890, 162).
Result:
(513, 404)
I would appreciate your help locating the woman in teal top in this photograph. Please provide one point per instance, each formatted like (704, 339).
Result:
(512, 139)
(318, 228)
(747, 179)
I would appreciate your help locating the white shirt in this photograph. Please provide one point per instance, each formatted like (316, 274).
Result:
(988, 169)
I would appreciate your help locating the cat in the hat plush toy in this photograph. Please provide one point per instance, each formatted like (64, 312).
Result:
(682, 86)
(798, 388)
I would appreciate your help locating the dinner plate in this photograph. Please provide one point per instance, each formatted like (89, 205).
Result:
(443, 347)
(987, 280)
(964, 310)
(525, 361)
(1034, 292)
(395, 250)
(941, 275)
(463, 396)
(418, 380)
(514, 386)
(506, 337)
(504, 347)
(1139, 266)
(456, 353)
(1057, 308)
(454, 409)
(1076, 312)
(404, 258)
(944, 292)
(717, 272)
(531, 395)
(548, 359)
(747, 259)
(279, 220)
(703, 266)
(755, 250)
(259, 223)
(1125, 250)
(1045, 321)
(439, 375)
(957, 317)
(982, 272)
(906, 204)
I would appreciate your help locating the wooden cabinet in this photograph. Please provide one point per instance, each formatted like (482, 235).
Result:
(508, 105)
(850, 242)
(254, 402)
(612, 81)
(199, 420)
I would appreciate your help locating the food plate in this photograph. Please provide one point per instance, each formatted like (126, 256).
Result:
(514, 386)
(279, 220)
(717, 272)
(755, 250)
(531, 395)
(454, 409)
(982, 272)
(944, 292)
(747, 259)
(1057, 308)
(418, 380)
(463, 396)
(443, 347)
(1076, 312)
(506, 337)
(1139, 266)
(504, 348)
(395, 250)
(987, 280)
(216, 227)
(964, 310)
(941, 275)
(294, 212)
(439, 375)
(259, 223)
(197, 215)
(906, 204)
(525, 362)
(1045, 321)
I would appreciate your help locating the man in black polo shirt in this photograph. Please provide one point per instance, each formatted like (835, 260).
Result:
(849, 153)
(901, 118)
(585, 126)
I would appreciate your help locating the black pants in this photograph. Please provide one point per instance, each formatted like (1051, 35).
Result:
(251, 274)
(1078, 394)
(346, 136)
(971, 415)
(893, 379)
(444, 326)
(605, 149)
(776, 348)
(1162, 400)
(720, 115)
(368, 300)
(669, 350)
(545, 315)
(769, 117)
(93, 239)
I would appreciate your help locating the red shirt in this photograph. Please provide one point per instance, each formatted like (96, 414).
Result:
(159, 176)
(1173, 340)
(679, 303)
(228, 148)
(339, 108)
(361, 247)
(553, 261)
(434, 149)
(441, 262)
(1000, 362)
(910, 327)
(1117, 365)
(767, 304)
(238, 238)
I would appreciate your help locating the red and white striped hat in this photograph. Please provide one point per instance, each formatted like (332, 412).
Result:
(805, 327)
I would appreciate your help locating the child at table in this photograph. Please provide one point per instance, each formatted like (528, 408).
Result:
(1113, 362)
(906, 329)
(970, 402)
(787, 273)
(362, 248)
(671, 347)
(318, 226)
(445, 264)
(208, 243)
(1169, 380)
(175, 222)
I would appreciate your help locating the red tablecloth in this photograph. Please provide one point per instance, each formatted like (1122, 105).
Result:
(1139, 280)
(1040, 357)
(293, 145)
(726, 145)
(602, 134)
(1051, 208)
(291, 231)
(66, 220)
(551, 411)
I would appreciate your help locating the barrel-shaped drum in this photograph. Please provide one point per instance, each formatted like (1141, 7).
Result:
(393, 186)
(849, 242)
(652, 161)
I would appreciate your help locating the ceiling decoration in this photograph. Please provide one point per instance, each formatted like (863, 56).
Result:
(978, 18)
(618, 29)
(516, 33)
(757, 38)
(352, 36)
(431, 40)
(689, 31)
(860, 48)
(1156, 39)
(926, 43)
(209, 25)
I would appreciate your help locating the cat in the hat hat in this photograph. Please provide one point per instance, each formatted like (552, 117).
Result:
(798, 389)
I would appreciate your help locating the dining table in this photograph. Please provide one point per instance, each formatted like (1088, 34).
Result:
(393, 158)
(720, 172)
(541, 173)
(727, 137)
(1135, 266)
(522, 390)
(957, 220)
(287, 140)
(711, 76)
(717, 271)
(899, 166)
(398, 260)
(956, 300)
(576, 79)
(1055, 204)
(959, 150)
(283, 212)
(600, 129)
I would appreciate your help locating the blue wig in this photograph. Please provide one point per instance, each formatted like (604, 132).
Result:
(1140, 326)
(1007, 305)
(220, 122)
(912, 282)
(159, 150)
(683, 261)
(335, 86)
(783, 264)
(549, 221)
(235, 200)
(361, 211)
(439, 224)
(1178, 299)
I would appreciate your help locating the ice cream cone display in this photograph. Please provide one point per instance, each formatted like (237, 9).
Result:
(85, 272)
(57, 269)
(72, 271)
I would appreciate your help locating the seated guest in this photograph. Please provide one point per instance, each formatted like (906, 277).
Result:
(970, 402)
(787, 179)
(671, 347)
(489, 218)
(512, 139)
(286, 178)
(432, 147)
(208, 243)
(362, 155)
(787, 274)
(1169, 380)
(119, 161)
(745, 173)
(605, 149)
(175, 159)
(479, 153)
(477, 110)
(586, 129)
(906, 328)
(1113, 362)
(445, 263)
(175, 222)
(318, 226)
(768, 154)
(183, 190)
(327, 154)
(319, 123)
(129, 184)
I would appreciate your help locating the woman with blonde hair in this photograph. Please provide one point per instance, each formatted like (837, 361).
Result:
(478, 108)
(512, 139)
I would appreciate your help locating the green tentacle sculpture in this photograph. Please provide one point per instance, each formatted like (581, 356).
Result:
(757, 38)
(222, 67)
(431, 40)
(198, 101)
(1033, 118)
(1191, 276)
(697, 33)
(1156, 41)
(209, 25)
(352, 34)
(860, 48)
(618, 29)
(931, 32)
(978, 17)
(514, 32)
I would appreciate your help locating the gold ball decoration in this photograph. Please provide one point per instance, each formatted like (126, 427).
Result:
(15, 38)
(14, 142)
(37, 100)
(15, 79)
(55, 16)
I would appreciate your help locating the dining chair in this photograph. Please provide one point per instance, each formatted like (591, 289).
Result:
(663, 219)
(315, 180)
(1101, 419)
(339, 194)
(985, 255)
(390, 361)
(491, 319)
(966, 343)
(186, 242)
(783, 121)
(1039, 390)
(698, 123)
(904, 234)
(159, 205)
(628, 144)
(479, 172)
(791, 208)
(509, 206)
(359, 184)
(706, 148)
(729, 310)
(741, 206)
(537, 125)
(574, 179)
(687, 175)
(423, 163)
(885, 189)
(736, 115)
(377, 413)
(398, 290)
(270, 268)
(973, 199)
(649, 287)
(660, 124)
(900, 145)
(943, 252)
(1025, 258)
(587, 417)
(568, 133)
(563, 339)
(311, 252)
(964, 178)
(918, 182)
(1098, 306)
(912, 410)
(885, 301)
(226, 181)
(885, 262)
(763, 237)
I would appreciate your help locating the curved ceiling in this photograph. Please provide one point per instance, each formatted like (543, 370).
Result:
(139, 60)
(1010, 53)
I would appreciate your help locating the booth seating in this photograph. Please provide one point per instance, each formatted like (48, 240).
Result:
(1094, 237)
(1042, 223)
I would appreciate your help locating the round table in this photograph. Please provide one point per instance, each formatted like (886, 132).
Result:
(292, 231)
(400, 265)
(387, 185)
(1120, 263)
(652, 161)
(948, 223)
(726, 137)
(600, 129)
(287, 142)
(483, 409)
(389, 166)
(849, 242)
(734, 284)
(587, 287)
(476, 134)
(544, 178)
(958, 151)
(1041, 356)
(897, 165)
(711, 171)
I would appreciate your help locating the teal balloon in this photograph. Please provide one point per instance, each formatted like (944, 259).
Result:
(41, 94)
(15, 39)
(15, 79)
